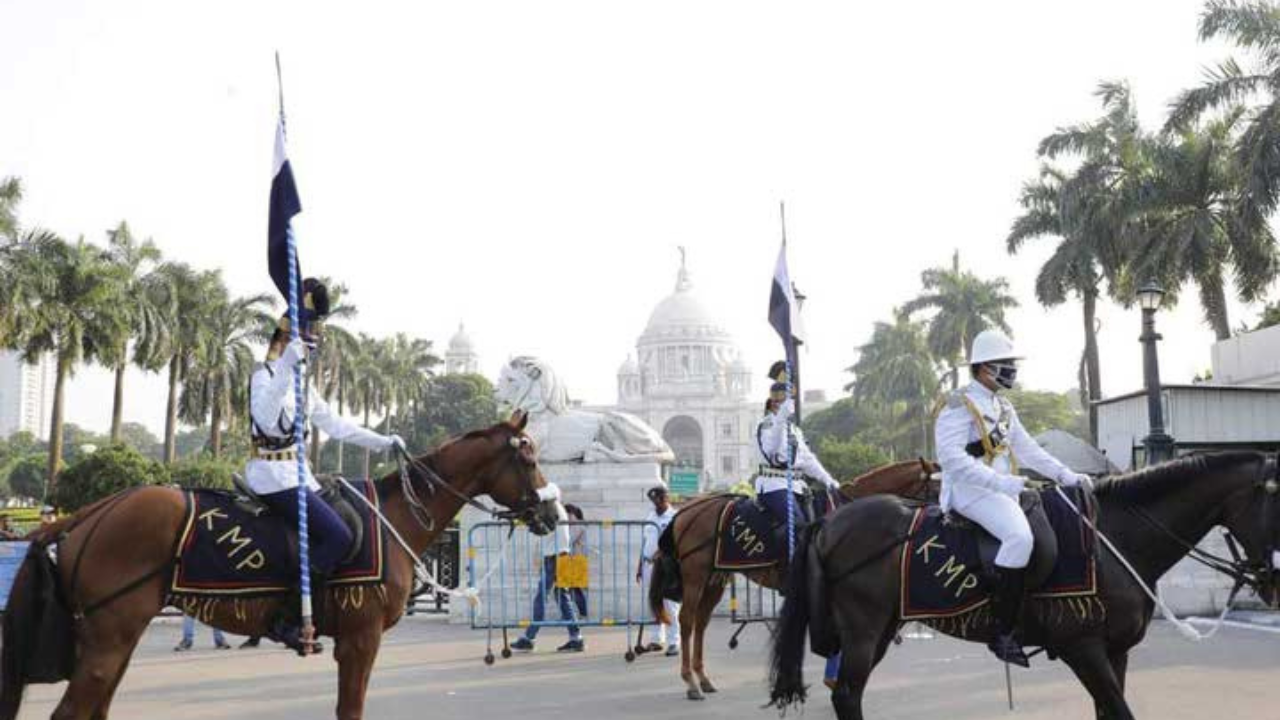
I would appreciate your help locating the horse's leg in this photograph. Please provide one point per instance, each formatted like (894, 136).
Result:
(105, 707)
(1119, 665)
(690, 609)
(1088, 660)
(355, 652)
(868, 624)
(710, 599)
(103, 656)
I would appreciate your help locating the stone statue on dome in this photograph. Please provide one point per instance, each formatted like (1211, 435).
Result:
(563, 434)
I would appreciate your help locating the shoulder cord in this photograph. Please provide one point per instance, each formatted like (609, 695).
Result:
(984, 436)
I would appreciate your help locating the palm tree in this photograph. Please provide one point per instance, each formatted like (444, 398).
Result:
(896, 369)
(216, 383)
(964, 305)
(185, 293)
(336, 344)
(1090, 210)
(1193, 225)
(142, 321)
(1255, 27)
(367, 386)
(405, 366)
(68, 293)
(10, 195)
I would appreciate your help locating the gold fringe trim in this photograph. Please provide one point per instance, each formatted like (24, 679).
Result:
(1048, 612)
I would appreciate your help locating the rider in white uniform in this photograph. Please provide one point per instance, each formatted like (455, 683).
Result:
(981, 446)
(777, 436)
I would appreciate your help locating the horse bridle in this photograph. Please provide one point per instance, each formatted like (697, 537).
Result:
(1259, 575)
(418, 509)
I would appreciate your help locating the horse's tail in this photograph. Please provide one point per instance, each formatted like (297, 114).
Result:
(37, 638)
(18, 620)
(786, 661)
(666, 574)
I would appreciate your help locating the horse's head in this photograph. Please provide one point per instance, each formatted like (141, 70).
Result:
(1253, 519)
(505, 467)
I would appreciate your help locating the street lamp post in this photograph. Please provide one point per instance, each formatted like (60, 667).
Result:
(1158, 443)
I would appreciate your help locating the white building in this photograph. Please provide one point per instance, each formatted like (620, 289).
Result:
(461, 356)
(26, 395)
(689, 381)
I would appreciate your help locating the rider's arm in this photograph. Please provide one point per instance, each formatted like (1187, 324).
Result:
(340, 428)
(951, 435)
(808, 463)
(1029, 454)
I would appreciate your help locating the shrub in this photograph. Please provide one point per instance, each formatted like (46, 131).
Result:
(204, 472)
(105, 472)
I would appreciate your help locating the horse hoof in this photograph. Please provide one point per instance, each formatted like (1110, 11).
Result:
(707, 687)
(693, 694)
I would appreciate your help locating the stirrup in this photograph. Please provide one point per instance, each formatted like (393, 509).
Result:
(290, 635)
(1006, 649)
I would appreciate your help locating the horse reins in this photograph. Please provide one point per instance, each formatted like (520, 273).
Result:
(418, 508)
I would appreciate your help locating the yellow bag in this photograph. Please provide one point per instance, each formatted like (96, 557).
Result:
(572, 571)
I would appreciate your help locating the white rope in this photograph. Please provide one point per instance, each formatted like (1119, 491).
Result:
(1184, 628)
(471, 594)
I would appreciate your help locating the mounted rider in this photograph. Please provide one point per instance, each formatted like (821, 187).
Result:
(272, 471)
(981, 446)
(777, 438)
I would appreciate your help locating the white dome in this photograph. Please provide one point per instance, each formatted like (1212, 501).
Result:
(682, 316)
(460, 342)
(629, 367)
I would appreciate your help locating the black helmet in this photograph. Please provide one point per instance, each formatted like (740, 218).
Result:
(656, 492)
(778, 371)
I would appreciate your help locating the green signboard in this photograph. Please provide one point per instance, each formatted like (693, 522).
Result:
(684, 482)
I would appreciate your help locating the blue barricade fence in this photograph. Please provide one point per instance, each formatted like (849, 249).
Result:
(587, 581)
(12, 553)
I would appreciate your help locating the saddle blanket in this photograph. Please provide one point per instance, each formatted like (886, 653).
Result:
(226, 550)
(746, 538)
(943, 572)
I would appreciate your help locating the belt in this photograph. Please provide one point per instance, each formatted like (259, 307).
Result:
(276, 455)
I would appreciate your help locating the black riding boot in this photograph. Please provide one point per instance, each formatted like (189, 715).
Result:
(1007, 605)
(286, 629)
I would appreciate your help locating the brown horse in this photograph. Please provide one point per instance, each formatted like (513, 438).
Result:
(844, 588)
(690, 565)
(133, 535)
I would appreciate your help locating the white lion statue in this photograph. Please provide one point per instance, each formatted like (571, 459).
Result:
(563, 434)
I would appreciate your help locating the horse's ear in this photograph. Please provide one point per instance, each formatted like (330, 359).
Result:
(519, 419)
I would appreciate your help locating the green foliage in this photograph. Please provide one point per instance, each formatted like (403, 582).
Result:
(1270, 316)
(841, 419)
(138, 437)
(106, 472)
(847, 459)
(27, 475)
(204, 472)
(451, 405)
(1040, 411)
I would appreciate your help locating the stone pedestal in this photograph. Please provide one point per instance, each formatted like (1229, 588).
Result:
(604, 491)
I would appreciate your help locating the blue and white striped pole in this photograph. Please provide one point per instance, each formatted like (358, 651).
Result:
(299, 421)
(791, 466)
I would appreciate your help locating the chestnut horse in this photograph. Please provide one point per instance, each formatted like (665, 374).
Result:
(691, 565)
(132, 535)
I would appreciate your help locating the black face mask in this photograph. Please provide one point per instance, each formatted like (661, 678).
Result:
(1004, 374)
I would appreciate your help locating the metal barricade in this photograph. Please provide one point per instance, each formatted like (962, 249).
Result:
(589, 583)
(444, 559)
(750, 603)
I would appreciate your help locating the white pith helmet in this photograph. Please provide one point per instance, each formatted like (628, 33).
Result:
(990, 346)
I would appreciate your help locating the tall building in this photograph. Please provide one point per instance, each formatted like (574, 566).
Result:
(461, 357)
(26, 395)
(689, 381)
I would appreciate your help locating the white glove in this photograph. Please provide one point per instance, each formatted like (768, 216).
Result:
(397, 442)
(788, 408)
(295, 352)
(1072, 479)
(1015, 484)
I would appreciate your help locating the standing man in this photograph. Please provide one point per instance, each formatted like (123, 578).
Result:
(661, 516)
(981, 445)
(554, 545)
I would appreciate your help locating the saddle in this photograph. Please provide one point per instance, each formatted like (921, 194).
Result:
(232, 545)
(948, 562)
(748, 536)
(331, 491)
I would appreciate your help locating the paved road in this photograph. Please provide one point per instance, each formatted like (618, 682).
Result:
(429, 670)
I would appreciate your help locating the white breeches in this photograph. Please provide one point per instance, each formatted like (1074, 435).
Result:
(667, 634)
(1001, 516)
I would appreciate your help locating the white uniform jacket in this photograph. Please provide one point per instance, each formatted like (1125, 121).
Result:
(649, 543)
(271, 403)
(967, 479)
(771, 440)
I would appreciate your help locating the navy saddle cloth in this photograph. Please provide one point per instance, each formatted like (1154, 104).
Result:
(748, 537)
(947, 564)
(226, 549)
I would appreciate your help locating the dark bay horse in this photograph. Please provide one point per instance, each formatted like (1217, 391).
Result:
(692, 564)
(132, 536)
(843, 591)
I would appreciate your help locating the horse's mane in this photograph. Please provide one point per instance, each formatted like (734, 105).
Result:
(1155, 481)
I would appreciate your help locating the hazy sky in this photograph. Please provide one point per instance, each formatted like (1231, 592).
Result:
(530, 167)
